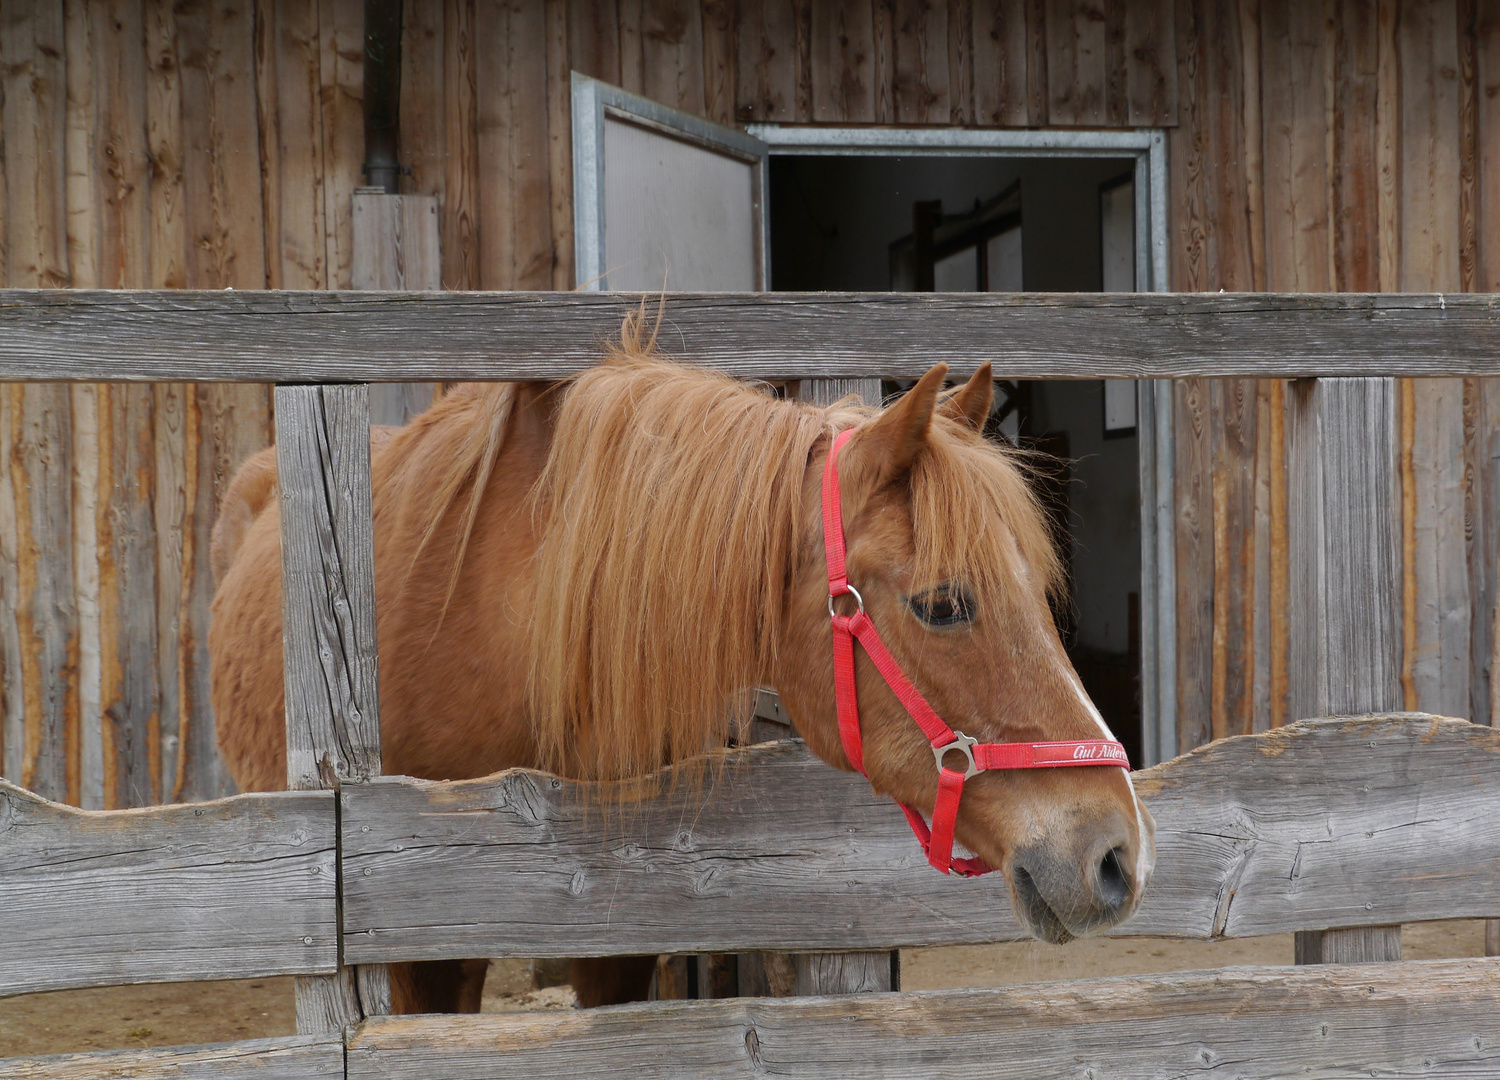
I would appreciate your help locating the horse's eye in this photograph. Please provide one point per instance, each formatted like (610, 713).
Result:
(945, 605)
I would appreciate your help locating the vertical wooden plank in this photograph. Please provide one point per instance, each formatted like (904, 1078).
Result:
(1345, 531)
(328, 618)
(164, 145)
(1440, 667)
(1193, 480)
(1234, 491)
(1076, 62)
(1000, 48)
(289, 80)
(1295, 146)
(1487, 137)
(1354, 178)
(460, 209)
(341, 28)
(632, 70)
(128, 596)
(328, 576)
(1150, 64)
(1468, 149)
(395, 246)
(423, 74)
(1260, 529)
(1481, 420)
(1388, 142)
(1036, 63)
(720, 53)
(593, 39)
(1430, 233)
(884, 18)
(672, 53)
(1116, 103)
(1187, 157)
(1280, 567)
(843, 53)
(172, 488)
(515, 236)
(767, 74)
(961, 62)
(86, 564)
(921, 55)
(12, 683)
(560, 143)
(46, 614)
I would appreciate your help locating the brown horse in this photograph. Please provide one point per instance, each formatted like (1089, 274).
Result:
(586, 576)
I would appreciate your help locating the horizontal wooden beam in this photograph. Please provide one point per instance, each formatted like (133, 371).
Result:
(299, 1057)
(1321, 824)
(1333, 1022)
(232, 889)
(287, 336)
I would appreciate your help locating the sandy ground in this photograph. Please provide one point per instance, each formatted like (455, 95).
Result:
(182, 1013)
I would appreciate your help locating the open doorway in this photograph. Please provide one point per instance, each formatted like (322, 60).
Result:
(996, 224)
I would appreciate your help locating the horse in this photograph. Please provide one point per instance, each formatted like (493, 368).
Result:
(586, 576)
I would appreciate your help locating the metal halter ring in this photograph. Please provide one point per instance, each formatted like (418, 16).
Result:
(965, 746)
(852, 591)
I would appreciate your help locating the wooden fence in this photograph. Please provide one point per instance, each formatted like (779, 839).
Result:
(1340, 829)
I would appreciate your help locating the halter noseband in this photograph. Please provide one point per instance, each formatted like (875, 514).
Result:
(937, 842)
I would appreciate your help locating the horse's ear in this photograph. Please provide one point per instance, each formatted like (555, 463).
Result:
(971, 405)
(892, 441)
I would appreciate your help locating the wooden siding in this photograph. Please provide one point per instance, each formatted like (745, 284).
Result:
(217, 143)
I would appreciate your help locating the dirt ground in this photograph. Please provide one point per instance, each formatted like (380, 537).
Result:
(183, 1013)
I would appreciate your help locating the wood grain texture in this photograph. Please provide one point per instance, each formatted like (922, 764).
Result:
(1150, 64)
(238, 888)
(328, 585)
(1193, 440)
(1000, 50)
(1077, 70)
(515, 241)
(920, 49)
(1344, 529)
(1440, 664)
(341, 29)
(395, 241)
(843, 54)
(461, 164)
(300, 1057)
(1342, 1022)
(1357, 945)
(1338, 823)
(352, 336)
(766, 76)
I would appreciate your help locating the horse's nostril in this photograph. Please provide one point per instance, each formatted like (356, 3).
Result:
(1114, 886)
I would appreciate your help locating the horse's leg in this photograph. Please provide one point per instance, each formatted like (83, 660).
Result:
(438, 986)
(612, 980)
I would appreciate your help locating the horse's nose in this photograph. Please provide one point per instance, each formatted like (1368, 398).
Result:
(1082, 883)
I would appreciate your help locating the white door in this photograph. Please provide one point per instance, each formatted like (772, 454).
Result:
(663, 199)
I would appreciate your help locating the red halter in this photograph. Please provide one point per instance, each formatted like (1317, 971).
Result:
(937, 842)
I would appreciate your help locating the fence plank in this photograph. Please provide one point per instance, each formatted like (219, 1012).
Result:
(1344, 538)
(296, 1058)
(233, 889)
(1337, 1022)
(287, 336)
(328, 612)
(1349, 822)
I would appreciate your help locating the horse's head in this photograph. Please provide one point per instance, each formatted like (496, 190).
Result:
(953, 561)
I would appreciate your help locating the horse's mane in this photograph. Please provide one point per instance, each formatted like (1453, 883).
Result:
(670, 507)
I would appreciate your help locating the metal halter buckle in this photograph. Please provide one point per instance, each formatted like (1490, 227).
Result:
(965, 746)
(849, 590)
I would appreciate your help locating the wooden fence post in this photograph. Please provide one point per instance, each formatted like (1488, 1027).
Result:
(1345, 531)
(328, 621)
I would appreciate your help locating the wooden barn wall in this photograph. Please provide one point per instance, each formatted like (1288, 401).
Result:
(216, 143)
(1335, 146)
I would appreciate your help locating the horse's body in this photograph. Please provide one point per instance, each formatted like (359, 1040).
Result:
(584, 576)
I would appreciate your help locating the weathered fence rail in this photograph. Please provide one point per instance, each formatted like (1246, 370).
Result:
(1431, 1017)
(237, 888)
(1332, 823)
(296, 1057)
(399, 337)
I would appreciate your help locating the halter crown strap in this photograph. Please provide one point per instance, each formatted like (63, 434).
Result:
(937, 840)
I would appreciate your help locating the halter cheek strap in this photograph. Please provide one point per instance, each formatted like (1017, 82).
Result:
(936, 841)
